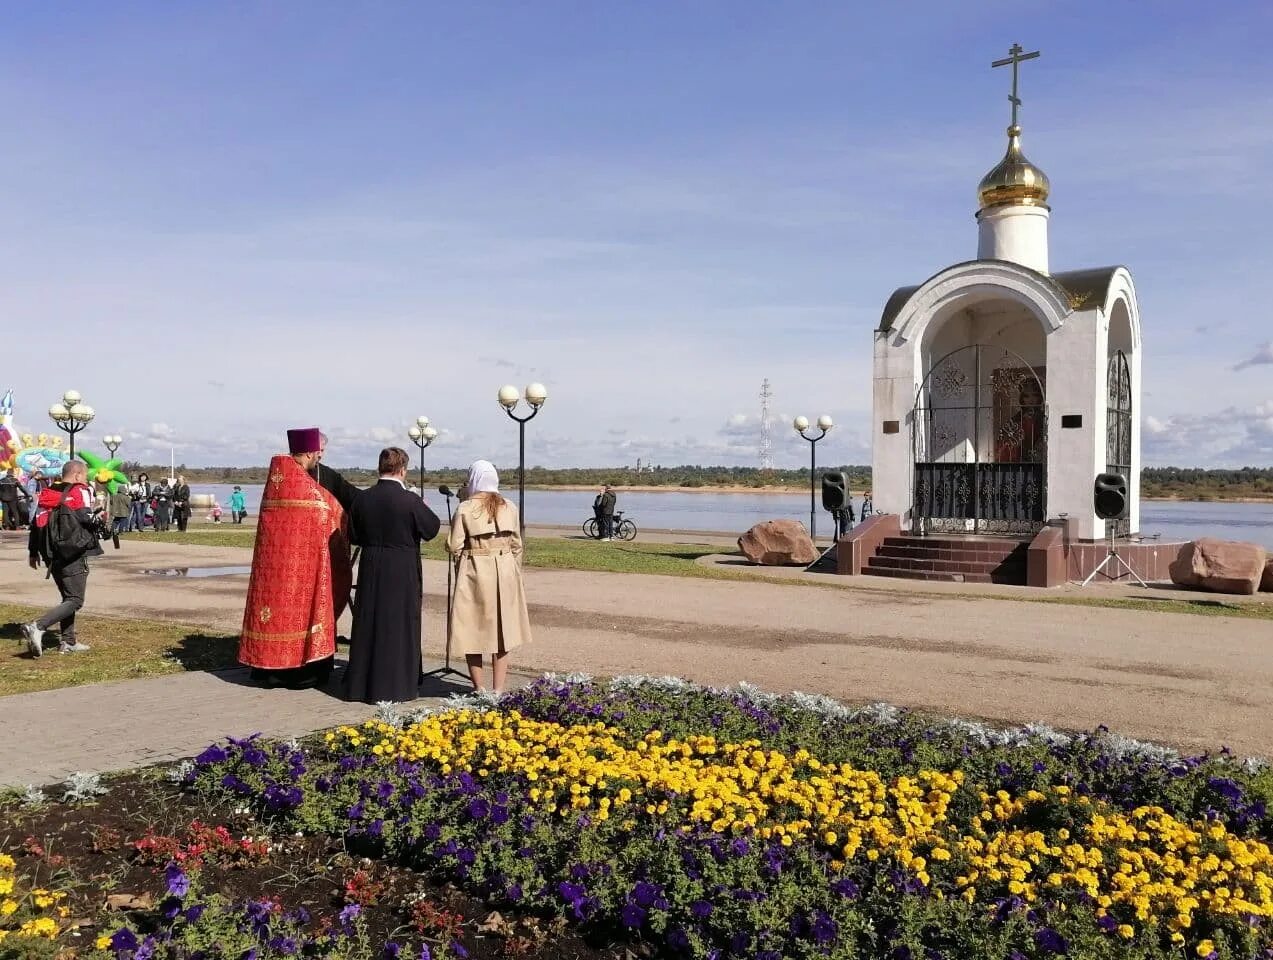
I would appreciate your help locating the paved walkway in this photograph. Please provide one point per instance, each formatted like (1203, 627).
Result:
(1194, 681)
(116, 726)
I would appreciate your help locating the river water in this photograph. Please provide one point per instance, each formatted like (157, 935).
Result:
(735, 512)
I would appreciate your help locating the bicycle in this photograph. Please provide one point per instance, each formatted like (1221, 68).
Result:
(623, 529)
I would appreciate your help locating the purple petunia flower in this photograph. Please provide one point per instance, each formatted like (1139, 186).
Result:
(391, 951)
(347, 915)
(123, 940)
(572, 892)
(479, 808)
(700, 909)
(632, 915)
(425, 952)
(178, 882)
(846, 888)
(146, 950)
(214, 754)
(457, 948)
(1051, 941)
(645, 894)
(824, 929)
(678, 939)
(194, 912)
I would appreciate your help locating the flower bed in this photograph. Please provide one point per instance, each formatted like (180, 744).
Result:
(737, 824)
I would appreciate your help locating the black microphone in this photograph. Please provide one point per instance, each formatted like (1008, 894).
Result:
(445, 491)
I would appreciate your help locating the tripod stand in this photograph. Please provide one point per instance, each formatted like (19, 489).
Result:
(446, 670)
(1112, 554)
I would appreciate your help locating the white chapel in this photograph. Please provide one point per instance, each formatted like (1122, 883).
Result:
(1002, 389)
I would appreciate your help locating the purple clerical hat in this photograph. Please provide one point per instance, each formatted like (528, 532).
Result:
(305, 440)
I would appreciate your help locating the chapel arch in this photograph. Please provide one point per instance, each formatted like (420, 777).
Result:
(979, 424)
(1119, 400)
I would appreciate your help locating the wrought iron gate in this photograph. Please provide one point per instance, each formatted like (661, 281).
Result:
(1118, 427)
(979, 445)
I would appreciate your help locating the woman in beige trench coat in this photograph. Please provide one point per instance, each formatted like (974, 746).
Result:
(489, 611)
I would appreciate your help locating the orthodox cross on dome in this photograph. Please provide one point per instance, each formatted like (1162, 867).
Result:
(1017, 55)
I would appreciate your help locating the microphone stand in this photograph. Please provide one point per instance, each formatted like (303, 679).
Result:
(446, 670)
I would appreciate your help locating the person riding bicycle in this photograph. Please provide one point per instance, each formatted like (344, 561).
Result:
(604, 507)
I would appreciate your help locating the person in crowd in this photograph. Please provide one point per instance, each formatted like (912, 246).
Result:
(63, 540)
(605, 519)
(388, 523)
(238, 505)
(139, 493)
(34, 486)
(868, 505)
(121, 507)
(488, 615)
(11, 495)
(331, 481)
(596, 511)
(215, 513)
(301, 576)
(181, 503)
(161, 503)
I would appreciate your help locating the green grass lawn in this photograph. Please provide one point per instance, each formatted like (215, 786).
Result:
(679, 560)
(122, 650)
(557, 553)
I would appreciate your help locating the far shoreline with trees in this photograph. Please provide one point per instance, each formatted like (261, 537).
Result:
(1157, 483)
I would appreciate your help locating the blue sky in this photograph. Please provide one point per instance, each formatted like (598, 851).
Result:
(239, 217)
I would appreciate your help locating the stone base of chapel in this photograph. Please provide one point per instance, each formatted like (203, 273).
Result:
(879, 547)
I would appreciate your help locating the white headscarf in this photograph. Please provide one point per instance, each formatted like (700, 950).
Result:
(482, 478)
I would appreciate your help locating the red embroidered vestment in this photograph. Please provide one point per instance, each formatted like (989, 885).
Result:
(300, 572)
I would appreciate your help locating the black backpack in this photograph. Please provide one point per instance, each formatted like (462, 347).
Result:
(65, 538)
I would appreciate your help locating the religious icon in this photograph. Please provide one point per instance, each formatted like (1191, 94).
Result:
(1020, 431)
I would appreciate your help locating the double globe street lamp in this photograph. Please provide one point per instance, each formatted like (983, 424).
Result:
(71, 414)
(422, 435)
(536, 394)
(801, 424)
(111, 442)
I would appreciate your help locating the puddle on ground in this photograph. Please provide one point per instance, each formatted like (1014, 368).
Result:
(196, 571)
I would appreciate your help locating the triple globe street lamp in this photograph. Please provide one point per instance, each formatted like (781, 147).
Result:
(801, 424)
(509, 398)
(71, 414)
(422, 435)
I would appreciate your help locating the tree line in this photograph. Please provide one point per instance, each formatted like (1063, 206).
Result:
(1191, 483)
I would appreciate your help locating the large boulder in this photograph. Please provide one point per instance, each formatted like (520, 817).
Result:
(1267, 583)
(778, 543)
(1221, 566)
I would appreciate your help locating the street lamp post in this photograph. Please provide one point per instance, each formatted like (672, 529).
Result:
(801, 424)
(536, 394)
(71, 414)
(111, 442)
(422, 435)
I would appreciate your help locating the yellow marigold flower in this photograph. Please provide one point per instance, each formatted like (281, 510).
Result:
(1205, 948)
(102, 942)
(8, 907)
(1126, 931)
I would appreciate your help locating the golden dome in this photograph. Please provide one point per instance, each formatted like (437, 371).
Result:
(1015, 181)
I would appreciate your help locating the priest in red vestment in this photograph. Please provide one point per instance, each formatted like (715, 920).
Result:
(301, 573)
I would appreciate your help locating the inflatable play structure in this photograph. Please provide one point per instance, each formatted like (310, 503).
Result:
(27, 453)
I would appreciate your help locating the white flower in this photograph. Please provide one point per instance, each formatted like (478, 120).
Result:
(823, 706)
(82, 786)
(32, 796)
(882, 714)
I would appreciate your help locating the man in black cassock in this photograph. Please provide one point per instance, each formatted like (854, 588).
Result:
(388, 523)
(331, 481)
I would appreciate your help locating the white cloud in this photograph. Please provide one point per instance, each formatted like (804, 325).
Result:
(1262, 357)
